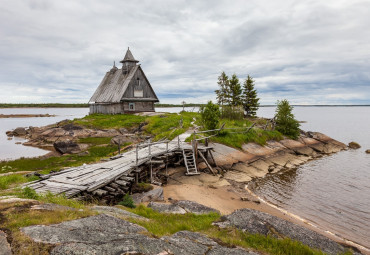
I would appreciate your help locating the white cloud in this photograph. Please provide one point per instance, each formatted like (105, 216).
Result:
(303, 51)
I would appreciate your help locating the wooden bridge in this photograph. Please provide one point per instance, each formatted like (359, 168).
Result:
(116, 172)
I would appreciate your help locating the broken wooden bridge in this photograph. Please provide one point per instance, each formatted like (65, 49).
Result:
(115, 177)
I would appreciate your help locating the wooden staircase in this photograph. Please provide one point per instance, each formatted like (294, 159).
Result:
(189, 159)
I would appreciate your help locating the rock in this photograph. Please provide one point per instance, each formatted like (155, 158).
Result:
(123, 131)
(108, 235)
(71, 127)
(9, 138)
(51, 207)
(367, 151)
(4, 245)
(117, 212)
(257, 222)
(66, 147)
(8, 200)
(121, 139)
(193, 207)
(19, 131)
(354, 145)
(166, 208)
(18, 143)
(152, 195)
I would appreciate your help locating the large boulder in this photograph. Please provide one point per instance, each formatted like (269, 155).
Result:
(105, 234)
(257, 222)
(67, 146)
(152, 195)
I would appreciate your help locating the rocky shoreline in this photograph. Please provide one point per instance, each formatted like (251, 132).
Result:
(236, 168)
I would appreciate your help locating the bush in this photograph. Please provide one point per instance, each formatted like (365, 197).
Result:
(285, 121)
(127, 201)
(29, 193)
(232, 112)
(210, 115)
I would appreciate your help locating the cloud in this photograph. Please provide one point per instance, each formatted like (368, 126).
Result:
(308, 52)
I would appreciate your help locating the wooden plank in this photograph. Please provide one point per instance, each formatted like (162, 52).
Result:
(208, 165)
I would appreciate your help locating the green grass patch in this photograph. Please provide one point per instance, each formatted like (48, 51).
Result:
(168, 224)
(168, 125)
(103, 121)
(14, 179)
(95, 140)
(236, 137)
(48, 197)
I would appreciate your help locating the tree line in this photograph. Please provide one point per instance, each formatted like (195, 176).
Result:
(232, 94)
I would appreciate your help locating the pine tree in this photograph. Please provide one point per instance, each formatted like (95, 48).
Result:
(249, 98)
(222, 92)
(235, 91)
(285, 121)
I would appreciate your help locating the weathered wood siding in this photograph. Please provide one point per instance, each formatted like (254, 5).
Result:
(121, 108)
(139, 107)
(107, 108)
(147, 90)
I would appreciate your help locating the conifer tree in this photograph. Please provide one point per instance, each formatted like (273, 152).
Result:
(223, 91)
(249, 98)
(285, 121)
(235, 91)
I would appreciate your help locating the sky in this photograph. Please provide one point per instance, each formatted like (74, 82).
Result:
(309, 52)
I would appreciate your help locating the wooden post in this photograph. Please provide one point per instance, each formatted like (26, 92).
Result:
(195, 147)
(151, 171)
(137, 154)
(206, 145)
(119, 146)
(178, 141)
(167, 146)
(149, 150)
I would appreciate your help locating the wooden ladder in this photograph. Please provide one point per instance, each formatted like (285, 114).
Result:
(189, 159)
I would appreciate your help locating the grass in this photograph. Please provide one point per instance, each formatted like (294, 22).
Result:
(14, 179)
(51, 198)
(167, 224)
(168, 125)
(103, 121)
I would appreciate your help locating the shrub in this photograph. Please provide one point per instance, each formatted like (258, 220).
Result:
(285, 121)
(127, 201)
(27, 192)
(232, 112)
(210, 115)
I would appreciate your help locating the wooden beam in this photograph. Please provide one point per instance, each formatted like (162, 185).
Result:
(208, 165)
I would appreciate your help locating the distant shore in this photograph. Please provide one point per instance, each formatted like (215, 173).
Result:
(81, 105)
(24, 115)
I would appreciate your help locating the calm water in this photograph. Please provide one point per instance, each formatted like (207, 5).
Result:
(9, 149)
(333, 192)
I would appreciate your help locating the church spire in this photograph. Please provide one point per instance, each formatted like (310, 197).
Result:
(128, 57)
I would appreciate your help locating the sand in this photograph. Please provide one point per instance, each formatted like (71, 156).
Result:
(218, 193)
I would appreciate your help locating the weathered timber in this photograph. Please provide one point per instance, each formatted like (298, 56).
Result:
(205, 161)
(102, 177)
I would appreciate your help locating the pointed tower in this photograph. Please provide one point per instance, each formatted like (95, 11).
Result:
(128, 62)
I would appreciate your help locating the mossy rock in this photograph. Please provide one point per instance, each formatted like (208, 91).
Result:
(354, 145)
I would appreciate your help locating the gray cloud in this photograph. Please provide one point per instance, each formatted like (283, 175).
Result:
(308, 52)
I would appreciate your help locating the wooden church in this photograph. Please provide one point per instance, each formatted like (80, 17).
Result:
(125, 90)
